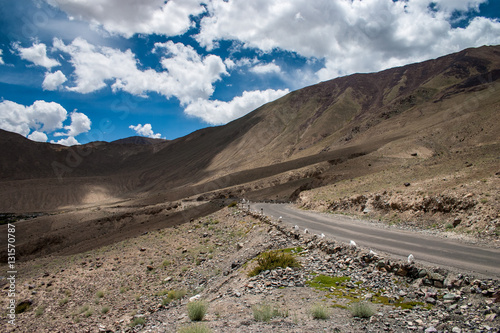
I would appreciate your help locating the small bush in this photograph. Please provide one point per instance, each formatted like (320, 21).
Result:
(137, 321)
(361, 310)
(105, 310)
(195, 328)
(272, 260)
(83, 309)
(89, 313)
(266, 312)
(319, 311)
(233, 204)
(197, 310)
(39, 311)
(176, 294)
(100, 294)
(63, 301)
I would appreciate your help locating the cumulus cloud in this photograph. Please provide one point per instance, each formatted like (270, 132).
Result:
(37, 54)
(69, 141)
(38, 136)
(129, 17)
(186, 75)
(54, 80)
(43, 118)
(146, 130)
(351, 36)
(80, 123)
(1, 60)
(217, 112)
(266, 69)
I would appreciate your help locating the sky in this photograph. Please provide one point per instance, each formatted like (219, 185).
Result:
(76, 71)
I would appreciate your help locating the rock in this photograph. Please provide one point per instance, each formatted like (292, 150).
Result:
(149, 267)
(450, 297)
(431, 329)
(401, 271)
(456, 330)
(422, 273)
(430, 300)
(23, 306)
(490, 317)
(407, 184)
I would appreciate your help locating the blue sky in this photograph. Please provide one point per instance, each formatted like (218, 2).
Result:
(75, 71)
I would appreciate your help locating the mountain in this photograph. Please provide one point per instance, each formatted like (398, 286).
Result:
(296, 142)
(139, 140)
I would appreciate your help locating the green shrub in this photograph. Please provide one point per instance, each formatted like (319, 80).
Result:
(233, 204)
(89, 313)
(197, 310)
(265, 312)
(100, 294)
(195, 328)
(176, 294)
(39, 311)
(83, 309)
(320, 311)
(63, 301)
(137, 321)
(105, 310)
(361, 310)
(272, 260)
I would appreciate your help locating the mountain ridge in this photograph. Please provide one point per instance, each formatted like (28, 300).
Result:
(344, 112)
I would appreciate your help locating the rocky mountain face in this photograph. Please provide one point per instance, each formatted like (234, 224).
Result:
(441, 105)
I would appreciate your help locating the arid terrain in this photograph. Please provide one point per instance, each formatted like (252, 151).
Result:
(104, 231)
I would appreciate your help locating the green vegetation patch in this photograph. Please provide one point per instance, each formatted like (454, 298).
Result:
(197, 310)
(325, 282)
(341, 287)
(265, 312)
(273, 259)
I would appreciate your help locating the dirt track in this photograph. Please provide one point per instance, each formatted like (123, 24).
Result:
(426, 248)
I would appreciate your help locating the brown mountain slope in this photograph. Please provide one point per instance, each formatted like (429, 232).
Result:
(439, 105)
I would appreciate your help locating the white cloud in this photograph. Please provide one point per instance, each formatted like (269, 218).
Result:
(187, 75)
(1, 60)
(220, 112)
(146, 130)
(348, 35)
(80, 123)
(43, 118)
(69, 141)
(128, 17)
(13, 118)
(54, 80)
(266, 69)
(37, 54)
(38, 136)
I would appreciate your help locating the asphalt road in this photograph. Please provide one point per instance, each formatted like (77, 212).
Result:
(427, 249)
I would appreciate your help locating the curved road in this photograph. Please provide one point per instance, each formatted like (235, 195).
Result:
(427, 249)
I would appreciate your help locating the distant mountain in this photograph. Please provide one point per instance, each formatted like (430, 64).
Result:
(139, 140)
(445, 104)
